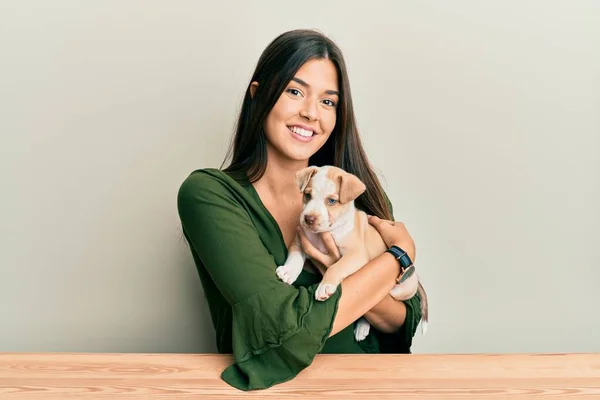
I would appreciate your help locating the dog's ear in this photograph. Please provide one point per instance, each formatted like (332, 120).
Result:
(303, 177)
(350, 187)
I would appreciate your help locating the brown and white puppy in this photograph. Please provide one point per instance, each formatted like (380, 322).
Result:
(328, 206)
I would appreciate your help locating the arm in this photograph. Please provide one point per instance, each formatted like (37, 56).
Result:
(396, 320)
(388, 315)
(277, 329)
(367, 292)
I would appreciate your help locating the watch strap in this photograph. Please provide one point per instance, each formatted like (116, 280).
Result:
(406, 263)
(401, 256)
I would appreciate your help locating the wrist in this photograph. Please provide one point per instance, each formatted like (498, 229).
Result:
(406, 248)
(397, 267)
(404, 260)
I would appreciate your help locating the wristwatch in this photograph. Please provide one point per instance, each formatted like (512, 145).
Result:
(407, 267)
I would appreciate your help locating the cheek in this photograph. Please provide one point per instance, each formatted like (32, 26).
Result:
(271, 123)
(278, 115)
(285, 108)
(328, 121)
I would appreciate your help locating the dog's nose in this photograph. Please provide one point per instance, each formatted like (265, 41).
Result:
(310, 219)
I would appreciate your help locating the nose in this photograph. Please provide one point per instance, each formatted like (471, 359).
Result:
(310, 219)
(309, 110)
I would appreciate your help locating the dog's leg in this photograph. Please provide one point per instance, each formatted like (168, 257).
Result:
(325, 290)
(294, 263)
(362, 329)
(332, 278)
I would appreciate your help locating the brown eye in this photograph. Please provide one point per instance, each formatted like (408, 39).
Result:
(307, 196)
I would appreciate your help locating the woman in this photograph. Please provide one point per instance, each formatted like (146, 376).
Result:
(240, 221)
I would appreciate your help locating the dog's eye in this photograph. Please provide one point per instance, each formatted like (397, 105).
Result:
(331, 201)
(307, 196)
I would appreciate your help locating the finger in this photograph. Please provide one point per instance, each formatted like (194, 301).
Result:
(309, 249)
(330, 244)
(376, 221)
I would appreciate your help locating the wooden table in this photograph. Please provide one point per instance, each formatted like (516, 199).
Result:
(185, 376)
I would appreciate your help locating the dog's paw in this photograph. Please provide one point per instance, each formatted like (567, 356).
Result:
(361, 331)
(324, 291)
(288, 274)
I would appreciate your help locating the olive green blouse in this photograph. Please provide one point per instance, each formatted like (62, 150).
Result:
(274, 330)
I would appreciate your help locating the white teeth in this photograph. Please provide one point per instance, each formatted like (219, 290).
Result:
(300, 131)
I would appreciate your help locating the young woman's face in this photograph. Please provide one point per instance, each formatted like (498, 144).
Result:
(305, 113)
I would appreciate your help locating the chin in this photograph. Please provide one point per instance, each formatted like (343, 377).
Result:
(300, 155)
(302, 152)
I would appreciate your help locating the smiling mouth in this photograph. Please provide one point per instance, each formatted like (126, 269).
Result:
(301, 132)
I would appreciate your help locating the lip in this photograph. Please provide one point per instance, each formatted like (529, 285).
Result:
(305, 127)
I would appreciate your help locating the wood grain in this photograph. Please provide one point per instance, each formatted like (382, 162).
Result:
(191, 376)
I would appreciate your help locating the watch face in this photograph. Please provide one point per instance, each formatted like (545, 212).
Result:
(407, 273)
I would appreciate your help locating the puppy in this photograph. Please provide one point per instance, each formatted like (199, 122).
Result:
(328, 206)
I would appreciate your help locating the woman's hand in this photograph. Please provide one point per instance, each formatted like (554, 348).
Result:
(320, 260)
(394, 233)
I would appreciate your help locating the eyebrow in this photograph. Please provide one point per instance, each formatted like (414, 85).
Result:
(300, 81)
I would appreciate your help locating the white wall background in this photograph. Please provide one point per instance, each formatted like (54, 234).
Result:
(493, 109)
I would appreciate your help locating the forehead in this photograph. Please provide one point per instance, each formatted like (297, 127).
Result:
(322, 185)
(319, 74)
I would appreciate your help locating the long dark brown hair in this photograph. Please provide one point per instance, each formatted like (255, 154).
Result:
(276, 67)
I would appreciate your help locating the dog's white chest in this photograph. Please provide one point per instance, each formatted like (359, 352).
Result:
(315, 240)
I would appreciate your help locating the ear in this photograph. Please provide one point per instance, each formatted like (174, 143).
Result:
(253, 87)
(303, 177)
(350, 187)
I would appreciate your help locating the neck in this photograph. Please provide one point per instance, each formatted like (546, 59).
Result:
(280, 176)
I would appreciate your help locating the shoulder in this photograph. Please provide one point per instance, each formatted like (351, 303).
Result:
(206, 188)
(208, 181)
(213, 195)
(205, 176)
